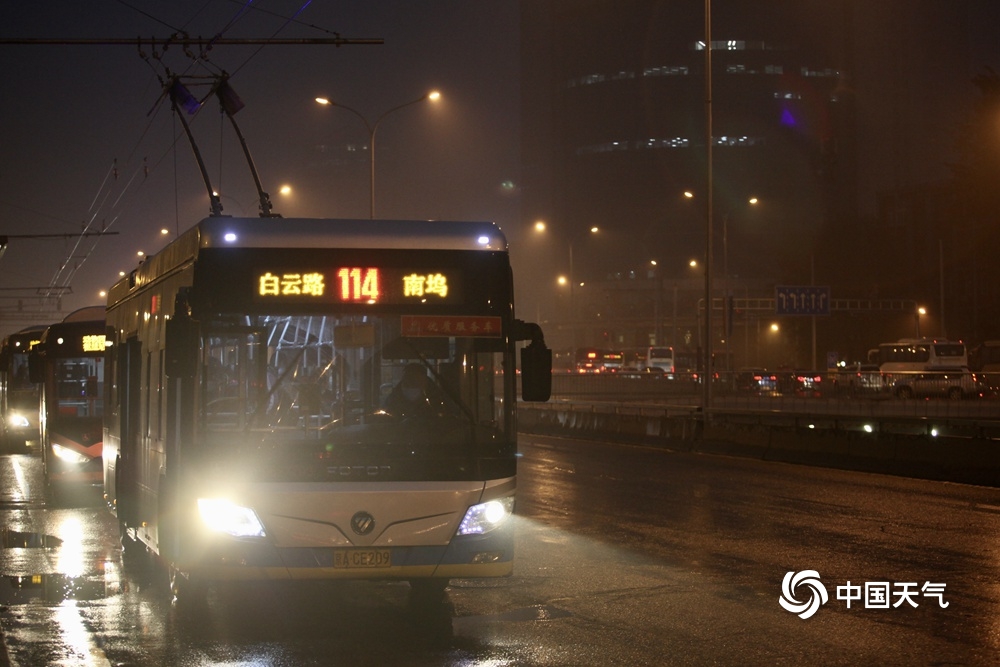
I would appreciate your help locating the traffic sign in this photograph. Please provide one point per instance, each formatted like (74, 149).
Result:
(801, 300)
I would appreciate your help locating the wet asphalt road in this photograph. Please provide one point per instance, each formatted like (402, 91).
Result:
(626, 555)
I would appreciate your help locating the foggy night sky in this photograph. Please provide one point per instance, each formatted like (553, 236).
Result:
(70, 111)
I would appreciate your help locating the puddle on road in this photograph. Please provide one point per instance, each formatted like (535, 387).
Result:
(14, 539)
(16, 590)
(104, 580)
(542, 612)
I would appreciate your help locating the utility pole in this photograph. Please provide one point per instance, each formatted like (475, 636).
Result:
(707, 375)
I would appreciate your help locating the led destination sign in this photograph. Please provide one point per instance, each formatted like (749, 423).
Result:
(93, 343)
(359, 284)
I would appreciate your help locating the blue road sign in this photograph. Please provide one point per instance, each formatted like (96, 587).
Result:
(801, 300)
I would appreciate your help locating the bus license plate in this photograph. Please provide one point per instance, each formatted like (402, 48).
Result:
(362, 558)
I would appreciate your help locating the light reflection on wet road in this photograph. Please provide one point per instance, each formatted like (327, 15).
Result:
(625, 556)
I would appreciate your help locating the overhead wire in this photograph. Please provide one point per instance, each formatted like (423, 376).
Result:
(64, 274)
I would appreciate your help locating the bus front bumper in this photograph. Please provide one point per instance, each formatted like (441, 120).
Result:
(466, 557)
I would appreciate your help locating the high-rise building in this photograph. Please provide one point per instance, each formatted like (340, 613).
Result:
(819, 110)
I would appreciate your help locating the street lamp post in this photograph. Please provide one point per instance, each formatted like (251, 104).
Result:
(706, 400)
(572, 286)
(726, 298)
(373, 128)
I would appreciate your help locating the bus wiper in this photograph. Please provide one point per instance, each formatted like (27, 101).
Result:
(439, 380)
(262, 406)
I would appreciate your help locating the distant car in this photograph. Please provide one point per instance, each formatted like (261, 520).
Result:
(952, 383)
(756, 380)
(867, 379)
(803, 383)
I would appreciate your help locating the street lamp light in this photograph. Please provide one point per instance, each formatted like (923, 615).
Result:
(372, 128)
(920, 311)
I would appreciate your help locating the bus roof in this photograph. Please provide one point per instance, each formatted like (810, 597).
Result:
(225, 232)
(87, 314)
(924, 341)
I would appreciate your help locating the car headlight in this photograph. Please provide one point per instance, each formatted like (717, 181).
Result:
(69, 455)
(223, 516)
(484, 517)
(17, 420)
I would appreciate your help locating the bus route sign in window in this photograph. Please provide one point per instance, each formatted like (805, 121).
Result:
(451, 325)
(359, 284)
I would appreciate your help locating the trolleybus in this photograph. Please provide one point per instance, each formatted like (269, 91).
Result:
(248, 435)
(68, 365)
(18, 394)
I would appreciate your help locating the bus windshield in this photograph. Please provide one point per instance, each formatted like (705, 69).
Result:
(287, 381)
(80, 386)
(19, 372)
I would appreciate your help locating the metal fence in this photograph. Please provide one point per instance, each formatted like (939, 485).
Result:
(901, 394)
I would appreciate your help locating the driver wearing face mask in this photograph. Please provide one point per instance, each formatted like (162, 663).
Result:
(409, 398)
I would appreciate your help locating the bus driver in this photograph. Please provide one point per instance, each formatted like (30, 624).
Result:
(410, 397)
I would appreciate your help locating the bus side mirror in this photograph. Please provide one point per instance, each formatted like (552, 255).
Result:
(536, 372)
(35, 365)
(181, 353)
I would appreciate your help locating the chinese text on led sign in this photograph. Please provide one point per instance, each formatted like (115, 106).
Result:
(93, 343)
(356, 284)
(422, 285)
(310, 284)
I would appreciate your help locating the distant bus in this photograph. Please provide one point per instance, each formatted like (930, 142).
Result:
(614, 360)
(913, 355)
(18, 395)
(68, 363)
(985, 359)
(686, 362)
(661, 358)
(597, 360)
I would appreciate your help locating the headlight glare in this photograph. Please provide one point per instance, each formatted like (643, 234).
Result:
(17, 420)
(69, 455)
(484, 517)
(223, 516)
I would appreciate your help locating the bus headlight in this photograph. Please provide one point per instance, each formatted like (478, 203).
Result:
(69, 455)
(484, 517)
(17, 420)
(223, 516)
